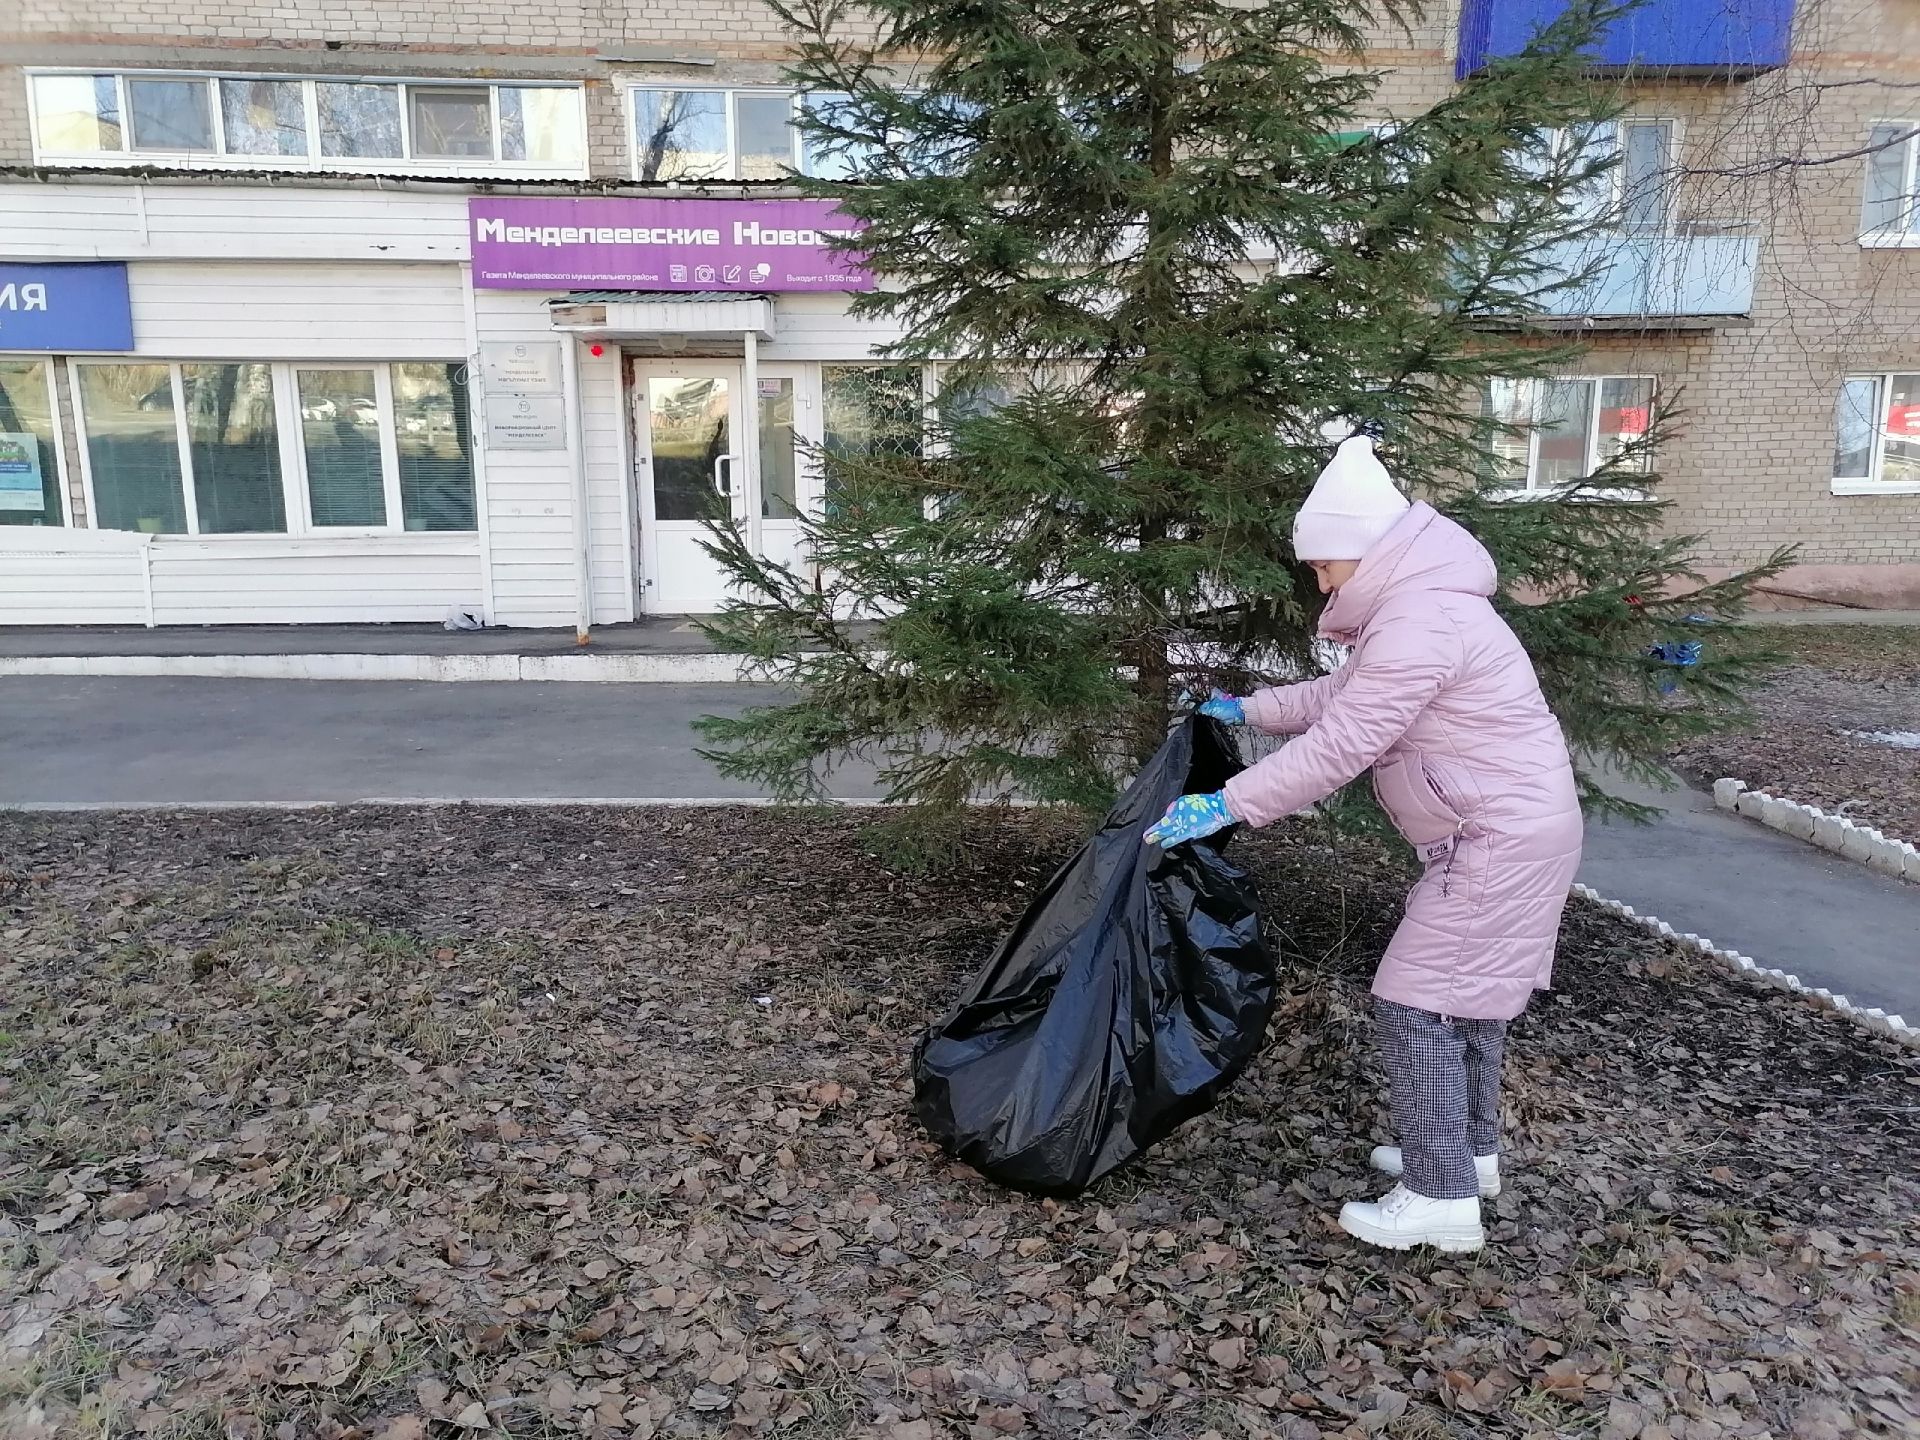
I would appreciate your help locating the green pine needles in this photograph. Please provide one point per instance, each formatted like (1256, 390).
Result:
(1150, 248)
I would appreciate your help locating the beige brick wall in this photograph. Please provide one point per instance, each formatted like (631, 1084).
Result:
(555, 25)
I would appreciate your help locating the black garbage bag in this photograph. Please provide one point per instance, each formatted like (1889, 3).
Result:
(1129, 996)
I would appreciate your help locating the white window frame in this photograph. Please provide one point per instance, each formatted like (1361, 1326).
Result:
(630, 106)
(127, 158)
(1871, 483)
(1908, 237)
(389, 449)
(48, 371)
(296, 502)
(1530, 489)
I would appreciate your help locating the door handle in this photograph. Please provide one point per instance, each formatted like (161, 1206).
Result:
(723, 475)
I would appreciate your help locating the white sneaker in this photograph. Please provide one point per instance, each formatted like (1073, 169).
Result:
(1387, 1160)
(1402, 1220)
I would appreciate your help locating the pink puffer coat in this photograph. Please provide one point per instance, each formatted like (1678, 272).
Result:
(1440, 699)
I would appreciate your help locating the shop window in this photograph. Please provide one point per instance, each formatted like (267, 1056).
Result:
(200, 449)
(1877, 433)
(131, 422)
(233, 446)
(287, 122)
(779, 450)
(1550, 434)
(340, 440)
(873, 409)
(1890, 208)
(870, 410)
(29, 446)
(433, 443)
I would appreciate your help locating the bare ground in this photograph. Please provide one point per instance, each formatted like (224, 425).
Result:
(389, 1123)
(1807, 739)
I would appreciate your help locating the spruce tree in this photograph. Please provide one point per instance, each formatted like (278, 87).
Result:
(1161, 251)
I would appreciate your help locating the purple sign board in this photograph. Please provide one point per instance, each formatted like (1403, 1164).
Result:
(608, 243)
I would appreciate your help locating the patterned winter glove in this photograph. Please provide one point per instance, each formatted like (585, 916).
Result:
(1191, 817)
(1225, 708)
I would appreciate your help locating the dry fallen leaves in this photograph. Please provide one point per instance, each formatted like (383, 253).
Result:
(467, 1135)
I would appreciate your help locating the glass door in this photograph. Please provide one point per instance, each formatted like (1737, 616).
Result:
(696, 462)
(691, 471)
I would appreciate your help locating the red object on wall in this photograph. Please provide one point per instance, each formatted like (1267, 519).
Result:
(596, 351)
(1903, 420)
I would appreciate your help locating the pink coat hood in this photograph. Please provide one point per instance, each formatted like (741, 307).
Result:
(1440, 701)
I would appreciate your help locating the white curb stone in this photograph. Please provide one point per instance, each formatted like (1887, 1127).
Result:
(1869, 1017)
(1884, 854)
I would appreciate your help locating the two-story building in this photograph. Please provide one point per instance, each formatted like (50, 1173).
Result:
(373, 312)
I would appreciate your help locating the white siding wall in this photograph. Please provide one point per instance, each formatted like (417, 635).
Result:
(69, 220)
(528, 494)
(262, 311)
(817, 327)
(610, 507)
(290, 580)
(55, 576)
(283, 309)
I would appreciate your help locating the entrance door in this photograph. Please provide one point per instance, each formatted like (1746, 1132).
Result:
(695, 462)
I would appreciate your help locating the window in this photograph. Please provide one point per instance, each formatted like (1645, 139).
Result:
(456, 124)
(171, 115)
(233, 445)
(285, 122)
(1637, 193)
(779, 452)
(752, 135)
(340, 438)
(77, 114)
(433, 442)
(1562, 430)
(1877, 434)
(870, 410)
(29, 445)
(264, 117)
(1890, 208)
(825, 158)
(257, 448)
(359, 121)
(129, 419)
(713, 135)
(681, 135)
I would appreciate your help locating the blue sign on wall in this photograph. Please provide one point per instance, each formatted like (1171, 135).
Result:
(65, 308)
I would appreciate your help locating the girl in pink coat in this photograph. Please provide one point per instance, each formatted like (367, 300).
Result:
(1439, 699)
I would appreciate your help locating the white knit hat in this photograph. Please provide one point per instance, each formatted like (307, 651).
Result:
(1352, 505)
